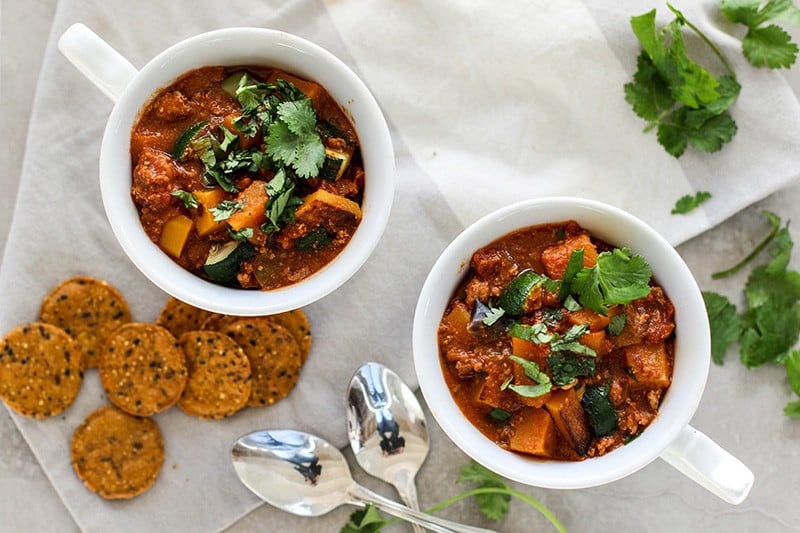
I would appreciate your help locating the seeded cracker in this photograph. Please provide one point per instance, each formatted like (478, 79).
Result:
(297, 323)
(41, 370)
(179, 317)
(117, 455)
(218, 322)
(274, 358)
(89, 310)
(143, 369)
(219, 375)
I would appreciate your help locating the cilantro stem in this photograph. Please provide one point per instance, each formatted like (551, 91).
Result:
(657, 121)
(498, 490)
(705, 39)
(738, 266)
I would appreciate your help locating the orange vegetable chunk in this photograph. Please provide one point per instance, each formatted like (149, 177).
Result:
(595, 321)
(254, 200)
(535, 433)
(570, 418)
(208, 199)
(556, 256)
(649, 364)
(174, 235)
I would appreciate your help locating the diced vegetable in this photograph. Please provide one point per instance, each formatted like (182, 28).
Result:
(458, 318)
(649, 363)
(523, 294)
(570, 418)
(529, 350)
(565, 367)
(595, 321)
(535, 433)
(499, 415)
(601, 412)
(336, 163)
(245, 142)
(231, 83)
(224, 262)
(596, 340)
(487, 391)
(205, 223)
(179, 148)
(253, 200)
(175, 234)
(332, 200)
(556, 256)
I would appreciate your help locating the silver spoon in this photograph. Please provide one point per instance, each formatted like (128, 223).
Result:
(307, 476)
(387, 429)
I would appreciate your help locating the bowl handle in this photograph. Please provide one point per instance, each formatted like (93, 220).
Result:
(706, 463)
(97, 60)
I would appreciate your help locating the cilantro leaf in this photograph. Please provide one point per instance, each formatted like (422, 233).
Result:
(494, 314)
(570, 341)
(494, 506)
(770, 331)
(792, 364)
(499, 415)
(574, 265)
(792, 409)
(241, 235)
(619, 277)
(725, 323)
(764, 45)
(617, 324)
(225, 209)
(313, 240)
(712, 134)
(688, 203)
(648, 93)
(566, 368)
(366, 520)
(536, 333)
(188, 199)
(293, 139)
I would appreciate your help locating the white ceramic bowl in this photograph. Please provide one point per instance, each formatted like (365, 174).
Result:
(232, 46)
(692, 347)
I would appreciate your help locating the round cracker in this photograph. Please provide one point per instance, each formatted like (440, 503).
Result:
(274, 356)
(297, 323)
(117, 455)
(41, 370)
(89, 310)
(219, 375)
(143, 369)
(178, 317)
(218, 322)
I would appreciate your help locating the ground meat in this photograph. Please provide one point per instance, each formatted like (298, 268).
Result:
(494, 269)
(152, 180)
(171, 106)
(651, 318)
(472, 362)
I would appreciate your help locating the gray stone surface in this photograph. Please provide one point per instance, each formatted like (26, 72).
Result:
(741, 410)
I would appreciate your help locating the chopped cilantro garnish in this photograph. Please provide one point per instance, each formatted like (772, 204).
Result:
(293, 139)
(494, 314)
(619, 277)
(688, 203)
(281, 204)
(574, 265)
(499, 415)
(536, 333)
(565, 367)
(725, 323)
(570, 304)
(570, 341)
(225, 209)
(241, 235)
(533, 371)
(617, 324)
(188, 199)
(765, 45)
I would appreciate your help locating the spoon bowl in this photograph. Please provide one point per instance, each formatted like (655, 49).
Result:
(387, 428)
(307, 476)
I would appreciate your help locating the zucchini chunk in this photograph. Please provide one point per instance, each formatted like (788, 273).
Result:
(336, 163)
(225, 261)
(602, 413)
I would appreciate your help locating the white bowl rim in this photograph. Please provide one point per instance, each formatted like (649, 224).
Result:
(377, 152)
(678, 405)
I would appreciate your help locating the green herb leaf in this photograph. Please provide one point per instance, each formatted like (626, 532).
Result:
(294, 141)
(494, 506)
(725, 323)
(764, 45)
(565, 368)
(315, 239)
(494, 314)
(179, 148)
(792, 364)
(617, 324)
(188, 199)
(574, 265)
(619, 277)
(571, 304)
(792, 409)
(241, 235)
(366, 520)
(601, 412)
(688, 203)
(533, 371)
(536, 333)
(225, 209)
(229, 138)
(499, 415)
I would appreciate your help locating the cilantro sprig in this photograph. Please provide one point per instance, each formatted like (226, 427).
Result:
(689, 203)
(680, 99)
(769, 327)
(618, 277)
(492, 496)
(765, 44)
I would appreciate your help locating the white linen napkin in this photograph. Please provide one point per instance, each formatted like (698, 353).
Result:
(489, 103)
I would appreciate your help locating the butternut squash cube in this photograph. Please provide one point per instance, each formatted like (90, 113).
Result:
(595, 321)
(649, 364)
(204, 221)
(174, 235)
(328, 199)
(535, 433)
(570, 418)
(556, 256)
(253, 200)
(596, 340)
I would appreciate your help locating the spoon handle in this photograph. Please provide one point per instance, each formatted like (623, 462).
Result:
(407, 489)
(361, 496)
